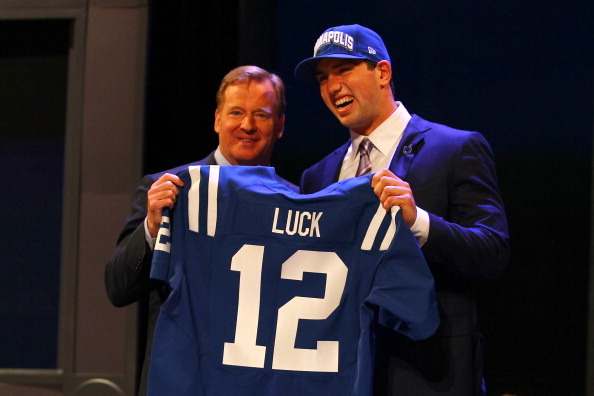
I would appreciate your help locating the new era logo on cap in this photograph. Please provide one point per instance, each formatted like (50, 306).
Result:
(347, 41)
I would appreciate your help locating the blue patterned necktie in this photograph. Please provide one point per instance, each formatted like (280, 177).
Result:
(364, 163)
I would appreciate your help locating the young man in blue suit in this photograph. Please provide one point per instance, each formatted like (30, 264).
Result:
(249, 119)
(445, 183)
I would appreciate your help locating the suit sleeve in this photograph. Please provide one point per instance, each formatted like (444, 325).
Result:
(471, 238)
(127, 271)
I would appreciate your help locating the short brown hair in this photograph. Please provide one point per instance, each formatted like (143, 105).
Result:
(245, 74)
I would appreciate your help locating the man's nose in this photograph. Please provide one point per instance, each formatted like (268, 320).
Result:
(248, 124)
(333, 84)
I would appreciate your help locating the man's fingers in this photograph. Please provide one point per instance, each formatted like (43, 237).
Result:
(378, 176)
(164, 191)
(167, 182)
(171, 178)
(394, 190)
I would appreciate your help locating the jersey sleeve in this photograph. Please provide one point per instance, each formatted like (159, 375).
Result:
(160, 265)
(404, 288)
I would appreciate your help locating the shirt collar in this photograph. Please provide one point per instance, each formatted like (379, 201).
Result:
(220, 158)
(388, 132)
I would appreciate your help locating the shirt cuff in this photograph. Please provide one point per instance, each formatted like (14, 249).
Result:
(147, 235)
(421, 227)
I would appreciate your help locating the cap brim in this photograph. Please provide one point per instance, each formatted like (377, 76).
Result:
(306, 69)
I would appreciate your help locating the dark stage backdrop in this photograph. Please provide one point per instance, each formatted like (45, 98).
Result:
(33, 80)
(519, 72)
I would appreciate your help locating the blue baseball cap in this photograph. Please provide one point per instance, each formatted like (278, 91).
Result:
(344, 42)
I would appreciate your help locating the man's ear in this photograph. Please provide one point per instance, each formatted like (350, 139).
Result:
(280, 127)
(217, 121)
(384, 69)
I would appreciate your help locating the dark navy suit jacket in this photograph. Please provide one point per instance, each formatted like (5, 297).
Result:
(452, 176)
(127, 272)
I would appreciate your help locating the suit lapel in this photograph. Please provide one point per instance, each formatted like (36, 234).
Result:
(411, 143)
(211, 159)
(332, 171)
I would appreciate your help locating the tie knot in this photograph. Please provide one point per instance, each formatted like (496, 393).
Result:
(365, 147)
(364, 162)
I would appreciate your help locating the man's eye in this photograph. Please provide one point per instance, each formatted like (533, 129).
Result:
(263, 115)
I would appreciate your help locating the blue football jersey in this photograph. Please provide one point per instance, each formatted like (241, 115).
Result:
(277, 293)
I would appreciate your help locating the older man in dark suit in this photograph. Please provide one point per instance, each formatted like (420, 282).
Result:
(249, 119)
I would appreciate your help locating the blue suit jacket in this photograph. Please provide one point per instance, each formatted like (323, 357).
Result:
(452, 176)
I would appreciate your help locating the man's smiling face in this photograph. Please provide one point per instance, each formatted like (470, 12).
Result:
(248, 123)
(352, 92)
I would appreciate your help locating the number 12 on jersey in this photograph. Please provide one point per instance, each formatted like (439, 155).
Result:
(244, 351)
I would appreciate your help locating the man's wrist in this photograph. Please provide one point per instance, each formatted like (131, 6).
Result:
(147, 235)
(420, 228)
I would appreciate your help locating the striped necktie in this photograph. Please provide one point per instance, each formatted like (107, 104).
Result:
(364, 163)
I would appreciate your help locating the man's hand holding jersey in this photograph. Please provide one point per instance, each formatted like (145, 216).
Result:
(393, 191)
(162, 194)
